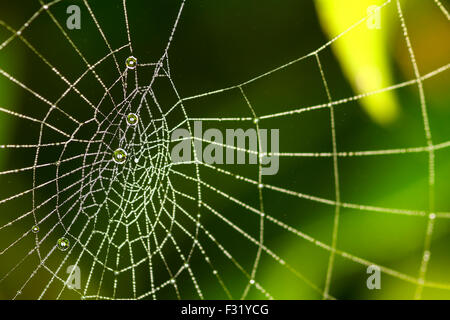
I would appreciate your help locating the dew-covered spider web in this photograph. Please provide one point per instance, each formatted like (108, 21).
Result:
(87, 181)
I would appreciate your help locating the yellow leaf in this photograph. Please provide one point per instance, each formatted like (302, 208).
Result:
(363, 51)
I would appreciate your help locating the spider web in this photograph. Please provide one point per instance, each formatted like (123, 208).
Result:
(143, 229)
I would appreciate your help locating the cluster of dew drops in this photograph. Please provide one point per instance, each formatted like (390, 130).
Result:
(119, 156)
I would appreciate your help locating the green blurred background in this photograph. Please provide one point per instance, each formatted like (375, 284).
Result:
(224, 43)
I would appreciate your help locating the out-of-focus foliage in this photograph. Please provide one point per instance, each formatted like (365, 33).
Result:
(364, 51)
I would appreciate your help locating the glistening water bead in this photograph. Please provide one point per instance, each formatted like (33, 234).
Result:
(131, 62)
(35, 229)
(119, 156)
(132, 119)
(63, 244)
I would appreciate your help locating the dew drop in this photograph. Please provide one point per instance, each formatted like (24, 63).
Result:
(35, 229)
(119, 156)
(131, 62)
(132, 119)
(63, 244)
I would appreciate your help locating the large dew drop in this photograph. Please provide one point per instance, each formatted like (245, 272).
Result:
(119, 156)
(131, 62)
(132, 119)
(63, 244)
